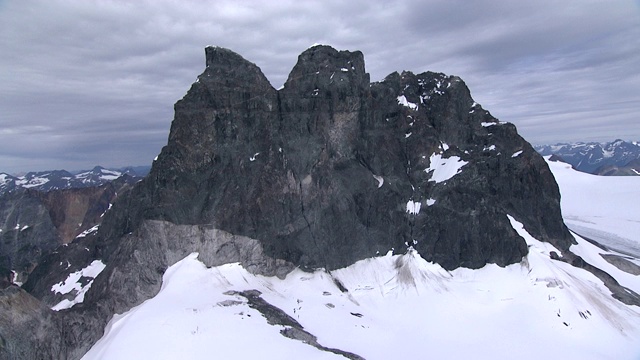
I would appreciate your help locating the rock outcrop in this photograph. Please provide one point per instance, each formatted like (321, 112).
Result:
(329, 170)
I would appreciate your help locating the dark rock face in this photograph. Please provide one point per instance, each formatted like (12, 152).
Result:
(29, 318)
(300, 169)
(27, 232)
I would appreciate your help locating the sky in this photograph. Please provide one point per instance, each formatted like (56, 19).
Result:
(85, 83)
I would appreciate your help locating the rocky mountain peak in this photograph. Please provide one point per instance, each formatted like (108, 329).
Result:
(327, 171)
(332, 169)
(321, 68)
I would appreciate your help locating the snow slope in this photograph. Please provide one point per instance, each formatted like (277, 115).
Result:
(401, 306)
(397, 306)
(603, 208)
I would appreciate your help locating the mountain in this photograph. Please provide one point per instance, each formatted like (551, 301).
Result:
(62, 179)
(612, 158)
(34, 223)
(381, 194)
(632, 168)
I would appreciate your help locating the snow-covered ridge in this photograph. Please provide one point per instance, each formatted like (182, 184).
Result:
(389, 298)
(594, 157)
(62, 179)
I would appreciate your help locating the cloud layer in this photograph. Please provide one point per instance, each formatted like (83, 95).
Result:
(94, 82)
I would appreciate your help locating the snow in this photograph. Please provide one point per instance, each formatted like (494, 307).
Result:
(430, 202)
(489, 148)
(487, 124)
(93, 229)
(36, 181)
(72, 283)
(413, 207)
(444, 168)
(397, 306)
(344, 69)
(253, 158)
(603, 208)
(406, 136)
(380, 180)
(516, 154)
(402, 100)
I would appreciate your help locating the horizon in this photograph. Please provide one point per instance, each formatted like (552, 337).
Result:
(122, 167)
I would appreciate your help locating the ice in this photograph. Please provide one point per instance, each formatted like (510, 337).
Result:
(443, 169)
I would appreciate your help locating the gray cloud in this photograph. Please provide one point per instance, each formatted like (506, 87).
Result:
(85, 83)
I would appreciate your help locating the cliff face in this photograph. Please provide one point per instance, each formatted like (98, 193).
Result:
(332, 168)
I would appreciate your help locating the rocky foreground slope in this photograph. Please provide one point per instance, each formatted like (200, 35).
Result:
(329, 170)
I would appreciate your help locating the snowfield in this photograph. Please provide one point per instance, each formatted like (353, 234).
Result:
(403, 307)
(603, 208)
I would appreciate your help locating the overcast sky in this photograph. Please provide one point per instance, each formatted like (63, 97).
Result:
(94, 82)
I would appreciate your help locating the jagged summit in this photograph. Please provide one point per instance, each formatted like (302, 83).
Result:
(322, 66)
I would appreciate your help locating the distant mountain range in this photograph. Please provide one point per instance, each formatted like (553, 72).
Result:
(618, 157)
(62, 179)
